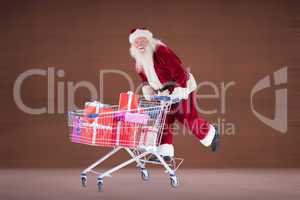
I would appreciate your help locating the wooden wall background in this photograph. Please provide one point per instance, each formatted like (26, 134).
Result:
(221, 41)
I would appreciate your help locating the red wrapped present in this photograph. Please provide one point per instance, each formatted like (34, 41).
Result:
(100, 125)
(129, 123)
(128, 133)
(99, 136)
(91, 108)
(128, 101)
(129, 128)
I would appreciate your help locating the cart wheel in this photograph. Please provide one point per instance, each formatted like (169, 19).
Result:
(83, 179)
(144, 174)
(174, 180)
(100, 184)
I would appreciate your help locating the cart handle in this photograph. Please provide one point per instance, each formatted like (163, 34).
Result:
(164, 98)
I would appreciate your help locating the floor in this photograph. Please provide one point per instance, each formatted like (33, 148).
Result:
(194, 184)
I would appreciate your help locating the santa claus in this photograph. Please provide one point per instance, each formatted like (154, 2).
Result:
(162, 73)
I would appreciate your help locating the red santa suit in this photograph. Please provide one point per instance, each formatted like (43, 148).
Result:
(165, 68)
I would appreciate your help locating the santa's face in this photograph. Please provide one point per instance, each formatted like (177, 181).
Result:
(141, 43)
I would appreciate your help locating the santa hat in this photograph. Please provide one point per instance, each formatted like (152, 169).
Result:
(139, 32)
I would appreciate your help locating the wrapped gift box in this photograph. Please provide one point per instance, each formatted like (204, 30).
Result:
(129, 134)
(76, 130)
(139, 118)
(128, 101)
(132, 122)
(129, 128)
(99, 125)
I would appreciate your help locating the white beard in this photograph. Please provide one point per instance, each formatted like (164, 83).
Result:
(144, 62)
(142, 59)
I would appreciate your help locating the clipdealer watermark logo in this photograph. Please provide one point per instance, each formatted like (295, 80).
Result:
(280, 77)
(56, 86)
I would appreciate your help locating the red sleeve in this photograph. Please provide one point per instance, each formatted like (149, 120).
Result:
(143, 78)
(173, 64)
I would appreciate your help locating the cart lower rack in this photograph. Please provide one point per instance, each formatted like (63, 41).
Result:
(138, 131)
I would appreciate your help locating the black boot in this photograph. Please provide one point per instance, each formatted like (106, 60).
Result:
(215, 144)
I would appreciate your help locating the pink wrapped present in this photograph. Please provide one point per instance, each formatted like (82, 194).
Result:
(138, 118)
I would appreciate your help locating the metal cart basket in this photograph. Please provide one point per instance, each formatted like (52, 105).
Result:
(137, 131)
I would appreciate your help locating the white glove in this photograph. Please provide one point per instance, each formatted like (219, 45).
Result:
(147, 92)
(180, 93)
(164, 93)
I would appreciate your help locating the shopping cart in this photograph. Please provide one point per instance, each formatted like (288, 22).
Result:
(137, 131)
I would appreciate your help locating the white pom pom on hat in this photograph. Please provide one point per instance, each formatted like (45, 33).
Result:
(139, 32)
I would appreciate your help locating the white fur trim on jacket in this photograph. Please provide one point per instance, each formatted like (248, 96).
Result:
(209, 137)
(166, 150)
(151, 75)
(140, 33)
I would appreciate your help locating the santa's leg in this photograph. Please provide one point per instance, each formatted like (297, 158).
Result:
(166, 148)
(187, 114)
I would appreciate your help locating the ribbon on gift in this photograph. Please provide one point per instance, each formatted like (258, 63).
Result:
(105, 131)
(128, 101)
